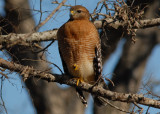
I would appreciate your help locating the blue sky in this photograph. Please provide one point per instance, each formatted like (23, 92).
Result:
(15, 95)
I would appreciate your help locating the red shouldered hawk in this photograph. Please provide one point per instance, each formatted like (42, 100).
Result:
(80, 48)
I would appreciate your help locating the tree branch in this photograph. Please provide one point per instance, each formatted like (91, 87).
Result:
(141, 24)
(148, 23)
(51, 35)
(35, 37)
(28, 72)
(11, 39)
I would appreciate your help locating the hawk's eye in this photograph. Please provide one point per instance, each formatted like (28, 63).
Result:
(79, 11)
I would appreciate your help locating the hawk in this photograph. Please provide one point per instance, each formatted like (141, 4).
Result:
(80, 49)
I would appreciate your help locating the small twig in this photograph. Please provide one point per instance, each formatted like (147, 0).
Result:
(99, 14)
(4, 75)
(151, 93)
(2, 69)
(56, 66)
(147, 110)
(94, 12)
(40, 6)
(132, 2)
(3, 103)
(44, 48)
(56, 2)
(120, 109)
(53, 12)
(47, 62)
(25, 73)
(133, 109)
(141, 109)
(110, 81)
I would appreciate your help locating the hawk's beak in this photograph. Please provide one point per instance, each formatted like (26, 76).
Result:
(72, 12)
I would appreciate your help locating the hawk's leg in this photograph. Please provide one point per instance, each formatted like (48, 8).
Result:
(79, 92)
(79, 80)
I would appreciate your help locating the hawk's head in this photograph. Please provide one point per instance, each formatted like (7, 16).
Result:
(78, 13)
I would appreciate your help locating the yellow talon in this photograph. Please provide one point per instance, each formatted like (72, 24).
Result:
(75, 67)
(79, 80)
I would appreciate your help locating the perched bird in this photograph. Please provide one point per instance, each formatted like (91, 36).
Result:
(80, 49)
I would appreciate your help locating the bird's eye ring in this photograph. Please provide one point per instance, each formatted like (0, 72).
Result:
(79, 11)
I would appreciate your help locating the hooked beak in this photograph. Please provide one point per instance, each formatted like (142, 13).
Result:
(72, 12)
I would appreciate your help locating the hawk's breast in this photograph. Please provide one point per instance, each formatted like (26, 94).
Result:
(77, 46)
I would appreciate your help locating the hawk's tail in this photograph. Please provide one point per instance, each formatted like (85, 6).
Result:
(98, 100)
(81, 96)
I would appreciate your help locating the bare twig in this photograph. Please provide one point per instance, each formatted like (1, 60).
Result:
(120, 109)
(56, 2)
(110, 81)
(94, 12)
(4, 75)
(147, 110)
(1, 89)
(64, 79)
(53, 12)
(45, 47)
(40, 10)
(47, 62)
(141, 109)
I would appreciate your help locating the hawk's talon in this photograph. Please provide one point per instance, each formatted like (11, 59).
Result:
(79, 80)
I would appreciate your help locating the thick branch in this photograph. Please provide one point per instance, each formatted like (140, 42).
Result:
(12, 39)
(147, 23)
(51, 35)
(35, 37)
(28, 72)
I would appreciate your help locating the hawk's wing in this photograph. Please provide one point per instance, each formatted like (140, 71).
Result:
(100, 101)
(64, 64)
(97, 62)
